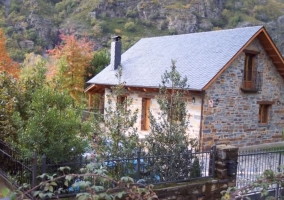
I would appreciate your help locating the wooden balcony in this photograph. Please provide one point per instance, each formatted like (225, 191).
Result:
(251, 81)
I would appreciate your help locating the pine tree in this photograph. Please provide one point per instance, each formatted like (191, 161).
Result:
(168, 132)
(115, 131)
(168, 138)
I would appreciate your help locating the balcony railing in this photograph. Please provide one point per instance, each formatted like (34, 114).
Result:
(251, 81)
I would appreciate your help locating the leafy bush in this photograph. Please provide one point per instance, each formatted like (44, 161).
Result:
(195, 170)
(131, 13)
(147, 23)
(104, 26)
(15, 7)
(221, 22)
(130, 26)
(31, 34)
(234, 20)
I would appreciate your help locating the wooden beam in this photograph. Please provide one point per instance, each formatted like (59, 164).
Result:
(251, 51)
(265, 102)
(273, 45)
(272, 55)
(268, 49)
(90, 100)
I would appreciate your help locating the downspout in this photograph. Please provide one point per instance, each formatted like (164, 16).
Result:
(201, 119)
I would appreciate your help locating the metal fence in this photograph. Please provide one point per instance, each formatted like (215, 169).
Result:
(16, 167)
(252, 164)
(157, 169)
(153, 169)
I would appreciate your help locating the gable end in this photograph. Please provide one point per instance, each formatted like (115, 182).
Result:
(268, 45)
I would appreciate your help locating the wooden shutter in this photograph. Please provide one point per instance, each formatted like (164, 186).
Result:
(145, 121)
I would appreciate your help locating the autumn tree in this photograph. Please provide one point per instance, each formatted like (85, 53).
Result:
(6, 63)
(78, 55)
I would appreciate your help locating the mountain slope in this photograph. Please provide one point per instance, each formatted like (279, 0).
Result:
(34, 25)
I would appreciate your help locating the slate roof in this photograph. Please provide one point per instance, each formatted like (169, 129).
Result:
(199, 57)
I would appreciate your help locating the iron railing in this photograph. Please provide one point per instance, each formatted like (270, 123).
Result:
(16, 167)
(252, 164)
(252, 81)
(153, 169)
(164, 168)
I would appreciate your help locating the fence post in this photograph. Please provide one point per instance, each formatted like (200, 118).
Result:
(34, 169)
(213, 160)
(226, 156)
(138, 164)
(43, 165)
(278, 188)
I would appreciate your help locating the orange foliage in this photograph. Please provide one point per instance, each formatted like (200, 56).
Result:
(6, 63)
(78, 55)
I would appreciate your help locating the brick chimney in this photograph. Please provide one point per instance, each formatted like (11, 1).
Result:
(115, 56)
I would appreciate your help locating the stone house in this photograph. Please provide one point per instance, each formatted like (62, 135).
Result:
(236, 93)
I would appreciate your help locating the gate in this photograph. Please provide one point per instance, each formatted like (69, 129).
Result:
(252, 164)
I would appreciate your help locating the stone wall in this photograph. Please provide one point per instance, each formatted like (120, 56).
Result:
(235, 119)
(194, 110)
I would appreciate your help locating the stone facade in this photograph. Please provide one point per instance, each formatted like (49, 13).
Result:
(194, 110)
(235, 119)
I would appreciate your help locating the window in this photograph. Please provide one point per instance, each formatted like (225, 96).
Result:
(175, 112)
(122, 101)
(249, 72)
(145, 121)
(263, 113)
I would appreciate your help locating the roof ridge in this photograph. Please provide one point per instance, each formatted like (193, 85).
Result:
(206, 32)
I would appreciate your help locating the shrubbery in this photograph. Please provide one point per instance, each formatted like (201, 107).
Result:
(130, 26)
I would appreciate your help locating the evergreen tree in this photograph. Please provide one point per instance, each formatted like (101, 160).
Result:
(115, 131)
(168, 132)
(99, 61)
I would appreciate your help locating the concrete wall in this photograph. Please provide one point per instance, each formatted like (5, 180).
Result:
(235, 119)
(193, 110)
